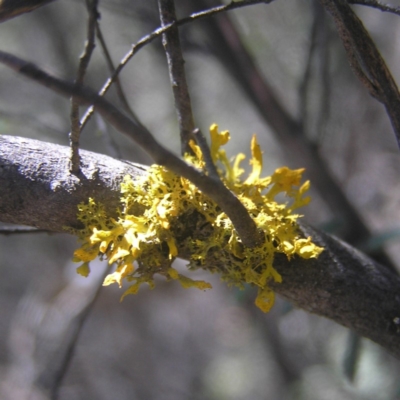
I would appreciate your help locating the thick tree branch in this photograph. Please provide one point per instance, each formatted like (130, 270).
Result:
(346, 286)
(37, 189)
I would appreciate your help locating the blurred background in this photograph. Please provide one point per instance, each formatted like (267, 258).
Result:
(278, 70)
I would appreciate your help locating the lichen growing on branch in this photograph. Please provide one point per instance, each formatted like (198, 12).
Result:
(152, 225)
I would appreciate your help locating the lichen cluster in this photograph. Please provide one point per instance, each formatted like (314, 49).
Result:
(158, 207)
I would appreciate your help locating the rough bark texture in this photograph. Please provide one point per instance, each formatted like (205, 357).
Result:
(344, 285)
(37, 189)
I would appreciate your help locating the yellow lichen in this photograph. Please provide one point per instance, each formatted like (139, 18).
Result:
(157, 206)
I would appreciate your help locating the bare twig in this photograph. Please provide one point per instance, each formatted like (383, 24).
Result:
(365, 60)
(13, 8)
(177, 76)
(83, 65)
(214, 188)
(378, 5)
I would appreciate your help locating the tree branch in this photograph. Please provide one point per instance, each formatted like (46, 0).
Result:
(37, 189)
(346, 286)
(342, 284)
(378, 5)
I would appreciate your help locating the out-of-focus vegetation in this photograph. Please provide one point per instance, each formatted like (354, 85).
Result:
(170, 343)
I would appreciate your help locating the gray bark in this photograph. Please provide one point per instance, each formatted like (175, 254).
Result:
(37, 189)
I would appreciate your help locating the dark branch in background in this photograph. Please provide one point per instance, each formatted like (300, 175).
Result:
(13, 8)
(318, 56)
(214, 188)
(111, 68)
(326, 84)
(316, 67)
(177, 76)
(82, 68)
(378, 5)
(342, 284)
(365, 59)
(305, 82)
(52, 378)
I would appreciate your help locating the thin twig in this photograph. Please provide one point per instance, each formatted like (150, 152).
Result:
(82, 68)
(177, 76)
(378, 5)
(68, 354)
(214, 188)
(158, 33)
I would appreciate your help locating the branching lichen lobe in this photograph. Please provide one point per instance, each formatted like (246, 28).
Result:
(161, 209)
